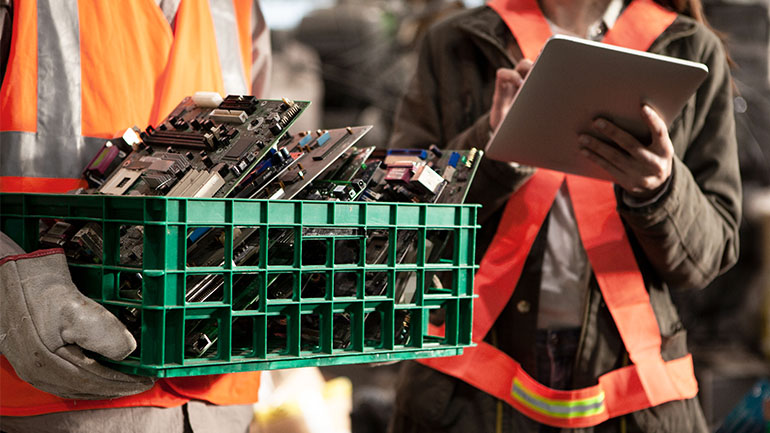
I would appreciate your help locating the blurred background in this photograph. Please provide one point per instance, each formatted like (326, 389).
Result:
(353, 60)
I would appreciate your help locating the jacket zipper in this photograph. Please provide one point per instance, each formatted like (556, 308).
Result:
(583, 326)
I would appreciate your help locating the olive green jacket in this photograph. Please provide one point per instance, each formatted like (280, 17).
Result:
(682, 241)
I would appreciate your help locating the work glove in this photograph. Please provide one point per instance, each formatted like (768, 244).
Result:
(46, 324)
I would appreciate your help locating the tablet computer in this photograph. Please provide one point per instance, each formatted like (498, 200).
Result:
(574, 81)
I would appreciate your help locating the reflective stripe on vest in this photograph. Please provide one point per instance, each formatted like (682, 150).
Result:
(650, 381)
(56, 136)
(65, 58)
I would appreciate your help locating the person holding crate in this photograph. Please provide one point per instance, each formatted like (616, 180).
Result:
(73, 74)
(574, 325)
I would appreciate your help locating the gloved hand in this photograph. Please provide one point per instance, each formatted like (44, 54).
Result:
(46, 323)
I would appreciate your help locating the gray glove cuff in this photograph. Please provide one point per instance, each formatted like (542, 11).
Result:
(8, 247)
(46, 324)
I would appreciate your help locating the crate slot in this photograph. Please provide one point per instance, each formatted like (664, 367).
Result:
(377, 246)
(205, 287)
(314, 285)
(347, 251)
(315, 252)
(445, 317)
(247, 290)
(439, 246)
(280, 285)
(376, 283)
(439, 283)
(277, 335)
(205, 246)
(345, 284)
(403, 327)
(310, 335)
(341, 331)
(247, 243)
(407, 243)
(131, 245)
(406, 287)
(373, 326)
(201, 336)
(246, 332)
(130, 286)
(280, 251)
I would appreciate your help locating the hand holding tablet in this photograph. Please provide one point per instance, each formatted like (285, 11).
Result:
(572, 85)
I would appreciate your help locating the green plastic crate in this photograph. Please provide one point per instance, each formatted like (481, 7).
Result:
(167, 319)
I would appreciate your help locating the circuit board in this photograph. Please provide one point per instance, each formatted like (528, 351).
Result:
(205, 147)
(315, 152)
(420, 176)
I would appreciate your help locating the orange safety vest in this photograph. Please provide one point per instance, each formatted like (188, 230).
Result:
(650, 381)
(79, 72)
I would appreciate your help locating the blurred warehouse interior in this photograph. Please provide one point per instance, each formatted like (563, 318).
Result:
(354, 58)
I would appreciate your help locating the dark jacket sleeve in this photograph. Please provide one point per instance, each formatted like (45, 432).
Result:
(418, 122)
(691, 235)
(6, 20)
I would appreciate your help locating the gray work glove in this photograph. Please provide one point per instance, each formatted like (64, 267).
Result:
(46, 323)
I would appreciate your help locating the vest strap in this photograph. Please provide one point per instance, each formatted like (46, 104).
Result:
(617, 392)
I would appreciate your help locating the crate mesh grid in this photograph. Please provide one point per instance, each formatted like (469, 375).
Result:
(165, 313)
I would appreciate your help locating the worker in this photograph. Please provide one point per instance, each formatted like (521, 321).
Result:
(574, 325)
(77, 73)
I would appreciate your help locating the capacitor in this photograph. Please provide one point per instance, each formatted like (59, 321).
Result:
(471, 157)
(222, 169)
(436, 151)
(278, 159)
(207, 161)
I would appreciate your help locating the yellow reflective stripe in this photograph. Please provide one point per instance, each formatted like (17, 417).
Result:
(558, 408)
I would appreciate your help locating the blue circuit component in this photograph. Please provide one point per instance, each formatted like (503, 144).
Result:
(262, 166)
(323, 139)
(306, 139)
(454, 158)
(196, 234)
